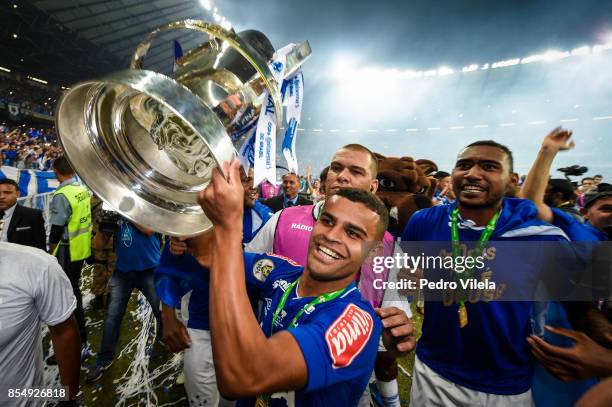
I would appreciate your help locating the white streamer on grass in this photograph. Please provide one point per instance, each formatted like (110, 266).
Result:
(137, 381)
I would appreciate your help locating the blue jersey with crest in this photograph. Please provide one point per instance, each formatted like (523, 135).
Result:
(491, 353)
(339, 338)
(177, 275)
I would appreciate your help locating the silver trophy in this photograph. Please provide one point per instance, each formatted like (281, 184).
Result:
(146, 143)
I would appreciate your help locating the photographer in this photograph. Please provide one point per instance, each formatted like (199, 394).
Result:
(137, 251)
(104, 258)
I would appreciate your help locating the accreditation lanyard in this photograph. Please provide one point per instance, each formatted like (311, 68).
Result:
(482, 242)
(316, 301)
(262, 401)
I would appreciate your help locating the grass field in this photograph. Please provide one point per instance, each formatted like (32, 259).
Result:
(130, 367)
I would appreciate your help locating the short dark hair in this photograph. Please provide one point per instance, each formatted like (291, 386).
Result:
(598, 175)
(323, 174)
(492, 143)
(563, 186)
(585, 178)
(322, 179)
(371, 202)
(8, 181)
(290, 173)
(61, 165)
(364, 149)
(441, 174)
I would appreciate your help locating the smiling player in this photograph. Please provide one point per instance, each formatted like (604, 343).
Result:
(318, 338)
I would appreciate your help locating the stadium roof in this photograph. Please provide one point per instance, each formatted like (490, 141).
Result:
(70, 40)
(118, 26)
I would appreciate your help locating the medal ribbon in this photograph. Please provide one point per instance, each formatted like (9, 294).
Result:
(482, 242)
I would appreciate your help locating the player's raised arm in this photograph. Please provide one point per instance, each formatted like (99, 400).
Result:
(246, 362)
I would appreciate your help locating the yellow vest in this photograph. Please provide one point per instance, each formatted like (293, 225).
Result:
(79, 224)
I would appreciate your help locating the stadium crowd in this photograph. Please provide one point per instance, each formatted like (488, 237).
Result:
(28, 147)
(31, 96)
(277, 304)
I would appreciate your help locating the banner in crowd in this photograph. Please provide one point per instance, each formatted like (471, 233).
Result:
(30, 182)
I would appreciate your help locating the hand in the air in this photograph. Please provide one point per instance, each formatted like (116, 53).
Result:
(584, 360)
(398, 334)
(223, 199)
(175, 334)
(558, 140)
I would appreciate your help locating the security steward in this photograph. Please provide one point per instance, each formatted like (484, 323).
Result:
(71, 229)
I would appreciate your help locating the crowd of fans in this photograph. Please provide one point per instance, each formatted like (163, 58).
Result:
(34, 97)
(28, 147)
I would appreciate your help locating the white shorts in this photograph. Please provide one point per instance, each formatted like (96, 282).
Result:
(199, 370)
(431, 389)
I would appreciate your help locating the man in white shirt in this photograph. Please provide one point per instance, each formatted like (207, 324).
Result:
(34, 289)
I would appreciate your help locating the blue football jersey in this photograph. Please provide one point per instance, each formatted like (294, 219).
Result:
(491, 353)
(176, 276)
(339, 338)
(253, 220)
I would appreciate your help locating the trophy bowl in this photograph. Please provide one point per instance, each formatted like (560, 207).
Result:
(147, 143)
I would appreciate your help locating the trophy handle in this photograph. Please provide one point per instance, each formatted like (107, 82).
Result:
(233, 40)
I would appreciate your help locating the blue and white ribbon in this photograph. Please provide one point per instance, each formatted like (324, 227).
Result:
(263, 142)
(293, 93)
(265, 134)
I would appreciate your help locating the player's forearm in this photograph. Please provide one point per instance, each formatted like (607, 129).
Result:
(536, 181)
(67, 347)
(238, 341)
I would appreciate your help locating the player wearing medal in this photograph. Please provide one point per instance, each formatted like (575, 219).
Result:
(476, 353)
(318, 338)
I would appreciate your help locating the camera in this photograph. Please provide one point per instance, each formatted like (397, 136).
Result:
(573, 170)
(108, 219)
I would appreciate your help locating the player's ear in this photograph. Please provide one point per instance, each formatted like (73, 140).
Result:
(374, 186)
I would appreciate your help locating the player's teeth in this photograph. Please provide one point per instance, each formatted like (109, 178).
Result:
(328, 252)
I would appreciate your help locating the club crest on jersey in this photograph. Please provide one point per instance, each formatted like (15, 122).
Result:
(348, 335)
(262, 269)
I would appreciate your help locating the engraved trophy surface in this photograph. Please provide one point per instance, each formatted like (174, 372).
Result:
(147, 143)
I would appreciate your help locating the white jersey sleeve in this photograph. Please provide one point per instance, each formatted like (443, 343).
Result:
(263, 242)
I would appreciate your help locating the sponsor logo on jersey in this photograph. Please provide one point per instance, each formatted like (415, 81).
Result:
(283, 284)
(262, 269)
(301, 226)
(348, 335)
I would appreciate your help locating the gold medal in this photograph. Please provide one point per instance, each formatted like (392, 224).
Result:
(261, 402)
(462, 314)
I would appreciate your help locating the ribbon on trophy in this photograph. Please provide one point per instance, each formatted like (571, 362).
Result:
(293, 91)
(259, 150)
